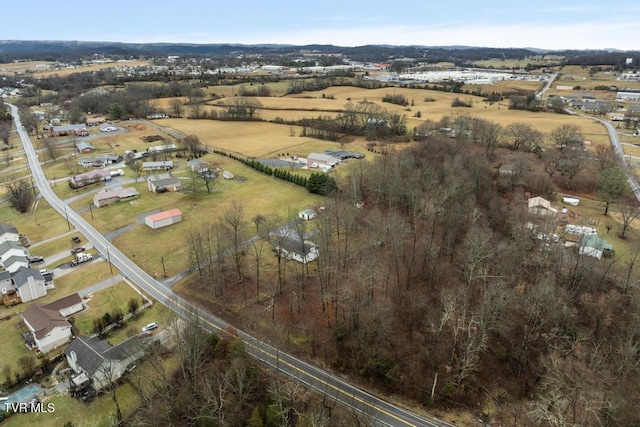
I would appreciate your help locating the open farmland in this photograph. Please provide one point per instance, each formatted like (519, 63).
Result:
(22, 67)
(94, 67)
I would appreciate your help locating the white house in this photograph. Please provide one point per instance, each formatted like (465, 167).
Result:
(157, 166)
(98, 362)
(322, 161)
(163, 219)
(49, 328)
(29, 284)
(307, 214)
(293, 249)
(227, 175)
(13, 256)
(541, 206)
(8, 233)
(66, 306)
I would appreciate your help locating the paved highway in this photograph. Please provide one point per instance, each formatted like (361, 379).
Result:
(322, 381)
(617, 149)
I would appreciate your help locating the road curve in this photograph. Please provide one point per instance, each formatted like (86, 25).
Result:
(382, 412)
(617, 149)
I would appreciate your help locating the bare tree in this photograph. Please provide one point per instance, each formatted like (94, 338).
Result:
(258, 243)
(176, 106)
(20, 194)
(191, 143)
(234, 220)
(629, 213)
(523, 136)
(566, 135)
(51, 148)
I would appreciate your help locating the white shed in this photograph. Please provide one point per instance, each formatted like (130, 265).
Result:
(162, 219)
(227, 175)
(307, 214)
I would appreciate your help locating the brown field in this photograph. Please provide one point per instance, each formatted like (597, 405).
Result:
(574, 75)
(548, 60)
(95, 67)
(23, 67)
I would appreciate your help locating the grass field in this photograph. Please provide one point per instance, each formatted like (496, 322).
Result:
(83, 69)
(547, 60)
(13, 346)
(105, 301)
(23, 67)
(260, 194)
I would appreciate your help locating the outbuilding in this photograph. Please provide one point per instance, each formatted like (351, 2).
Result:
(307, 214)
(163, 219)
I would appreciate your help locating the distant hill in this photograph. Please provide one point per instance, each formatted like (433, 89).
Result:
(64, 50)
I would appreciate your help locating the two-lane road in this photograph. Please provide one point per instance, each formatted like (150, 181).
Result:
(322, 381)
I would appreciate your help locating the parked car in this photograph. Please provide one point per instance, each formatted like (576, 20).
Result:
(78, 249)
(149, 327)
(76, 239)
(34, 259)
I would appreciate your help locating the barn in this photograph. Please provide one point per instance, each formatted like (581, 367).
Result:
(163, 219)
(307, 214)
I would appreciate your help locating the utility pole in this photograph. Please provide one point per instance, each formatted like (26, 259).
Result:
(91, 209)
(164, 271)
(109, 259)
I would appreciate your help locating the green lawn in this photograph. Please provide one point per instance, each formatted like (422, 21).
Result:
(13, 346)
(99, 412)
(105, 301)
(40, 223)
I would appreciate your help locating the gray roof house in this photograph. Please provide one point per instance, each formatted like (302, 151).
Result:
(85, 147)
(95, 360)
(164, 184)
(29, 284)
(293, 249)
(13, 256)
(8, 232)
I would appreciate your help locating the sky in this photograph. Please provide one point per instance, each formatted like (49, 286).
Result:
(544, 24)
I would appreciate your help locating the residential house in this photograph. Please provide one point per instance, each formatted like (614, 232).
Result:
(85, 147)
(96, 162)
(541, 206)
(13, 256)
(294, 249)
(88, 178)
(107, 196)
(322, 161)
(95, 361)
(79, 130)
(67, 306)
(594, 246)
(507, 170)
(49, 328)
(100, 161)
(157, 166)
(164, 184)
(30, 284)
(198, 166)
(94, 121)
(163, 219)
(8, 232)
(307, 214)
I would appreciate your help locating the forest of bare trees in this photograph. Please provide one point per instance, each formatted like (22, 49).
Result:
(436, 291)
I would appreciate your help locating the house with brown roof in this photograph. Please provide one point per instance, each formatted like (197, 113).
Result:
(49, 328)
(67, 306)
(88, 178)
(107, 196)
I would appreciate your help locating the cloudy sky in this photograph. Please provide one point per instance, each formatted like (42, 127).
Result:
(557, 24)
